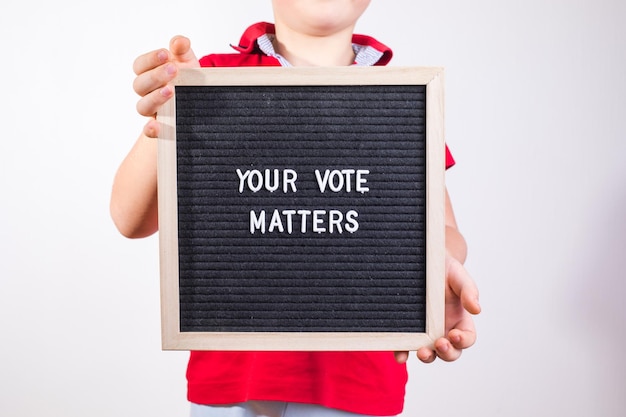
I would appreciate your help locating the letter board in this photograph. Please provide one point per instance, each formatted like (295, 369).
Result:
(302, 209)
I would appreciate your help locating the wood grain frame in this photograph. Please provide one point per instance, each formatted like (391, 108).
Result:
(174, 339)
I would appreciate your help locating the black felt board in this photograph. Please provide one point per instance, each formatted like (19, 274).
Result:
(237, 279)
(367, 273)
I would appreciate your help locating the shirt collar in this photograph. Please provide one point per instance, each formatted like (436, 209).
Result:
(258, 39)
(364, 55)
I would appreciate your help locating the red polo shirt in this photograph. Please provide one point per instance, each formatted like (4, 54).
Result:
(360, 382)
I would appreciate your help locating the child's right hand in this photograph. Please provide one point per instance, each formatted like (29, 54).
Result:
(155, 71)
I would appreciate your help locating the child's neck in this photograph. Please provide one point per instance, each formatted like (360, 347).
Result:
(305, 50)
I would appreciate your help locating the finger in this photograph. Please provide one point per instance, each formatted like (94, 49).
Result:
(401, 357)
(150, 60)
(152, 128)
(180, 47)
(426, 355)
(462, 339)
(155, 78)
(462, 333)
(446, 350)
(460, 282)
(150, 103)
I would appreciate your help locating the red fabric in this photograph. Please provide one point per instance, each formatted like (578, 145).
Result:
(449, 158)
(250, 55)
(360, 382)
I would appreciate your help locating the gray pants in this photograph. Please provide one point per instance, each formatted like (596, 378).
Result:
(268, 409)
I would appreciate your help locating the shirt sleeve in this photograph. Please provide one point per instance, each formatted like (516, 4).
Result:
(449, 159)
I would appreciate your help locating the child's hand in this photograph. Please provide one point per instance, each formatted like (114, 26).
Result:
(155, 70)
(461, 303)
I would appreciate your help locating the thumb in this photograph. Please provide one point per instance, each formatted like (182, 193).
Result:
(462, 285)
(180, 47)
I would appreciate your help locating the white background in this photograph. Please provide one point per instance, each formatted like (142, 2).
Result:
(535, 99)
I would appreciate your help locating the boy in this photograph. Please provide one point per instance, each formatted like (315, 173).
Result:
(307, 33)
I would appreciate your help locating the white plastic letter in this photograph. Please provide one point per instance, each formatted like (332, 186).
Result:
(351, 224)
(289, 217)
(318, 221)
(335, 181)
(303, 215)
(335, 217)
(321, 182)
(348, 173)
(255, 174)
(361, 180)
(257, 223)
(268, 186)
(276, 222)
(289, 179)
(242, 178)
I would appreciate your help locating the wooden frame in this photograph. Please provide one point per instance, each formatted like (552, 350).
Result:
(174, 339)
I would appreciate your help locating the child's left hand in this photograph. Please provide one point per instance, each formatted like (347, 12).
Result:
(461, 303)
